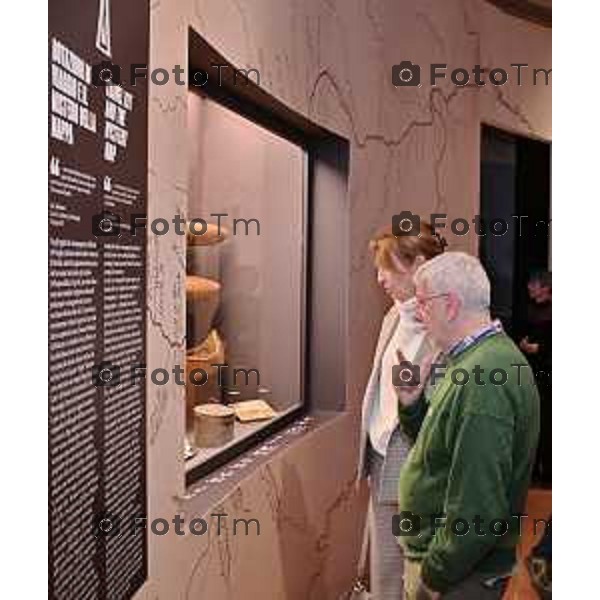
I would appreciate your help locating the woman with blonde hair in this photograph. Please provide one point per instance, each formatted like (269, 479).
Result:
(383, 447)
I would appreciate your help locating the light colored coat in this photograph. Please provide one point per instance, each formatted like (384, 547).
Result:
(399, 445)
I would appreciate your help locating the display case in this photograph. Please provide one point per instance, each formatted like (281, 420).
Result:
(246, 282)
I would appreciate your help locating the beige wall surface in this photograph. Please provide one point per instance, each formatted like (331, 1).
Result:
(411, 149)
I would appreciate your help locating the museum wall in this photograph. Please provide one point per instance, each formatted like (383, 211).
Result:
(411, 149)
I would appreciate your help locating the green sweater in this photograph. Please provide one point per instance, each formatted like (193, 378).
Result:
(473, 453)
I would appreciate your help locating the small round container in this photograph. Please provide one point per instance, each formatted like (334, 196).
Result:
(213, 425)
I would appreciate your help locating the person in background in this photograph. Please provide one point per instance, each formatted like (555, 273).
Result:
(475, 441)
(536, 343)
(383, 447)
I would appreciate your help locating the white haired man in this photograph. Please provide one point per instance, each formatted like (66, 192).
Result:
(466, 478)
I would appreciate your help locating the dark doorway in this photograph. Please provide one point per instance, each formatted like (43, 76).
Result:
(515, 190)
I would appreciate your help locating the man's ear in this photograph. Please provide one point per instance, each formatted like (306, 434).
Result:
(454, 306)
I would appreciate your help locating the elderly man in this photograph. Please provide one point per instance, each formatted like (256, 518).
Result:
(476, 428)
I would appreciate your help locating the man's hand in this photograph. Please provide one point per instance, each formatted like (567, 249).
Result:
(408, 395)
(424, 593)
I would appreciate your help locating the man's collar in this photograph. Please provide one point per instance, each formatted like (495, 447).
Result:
(488, 330)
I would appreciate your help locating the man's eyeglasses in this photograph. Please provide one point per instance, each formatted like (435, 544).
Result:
(424, 300)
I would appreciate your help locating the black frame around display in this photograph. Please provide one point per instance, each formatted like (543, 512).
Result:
(253, 103)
